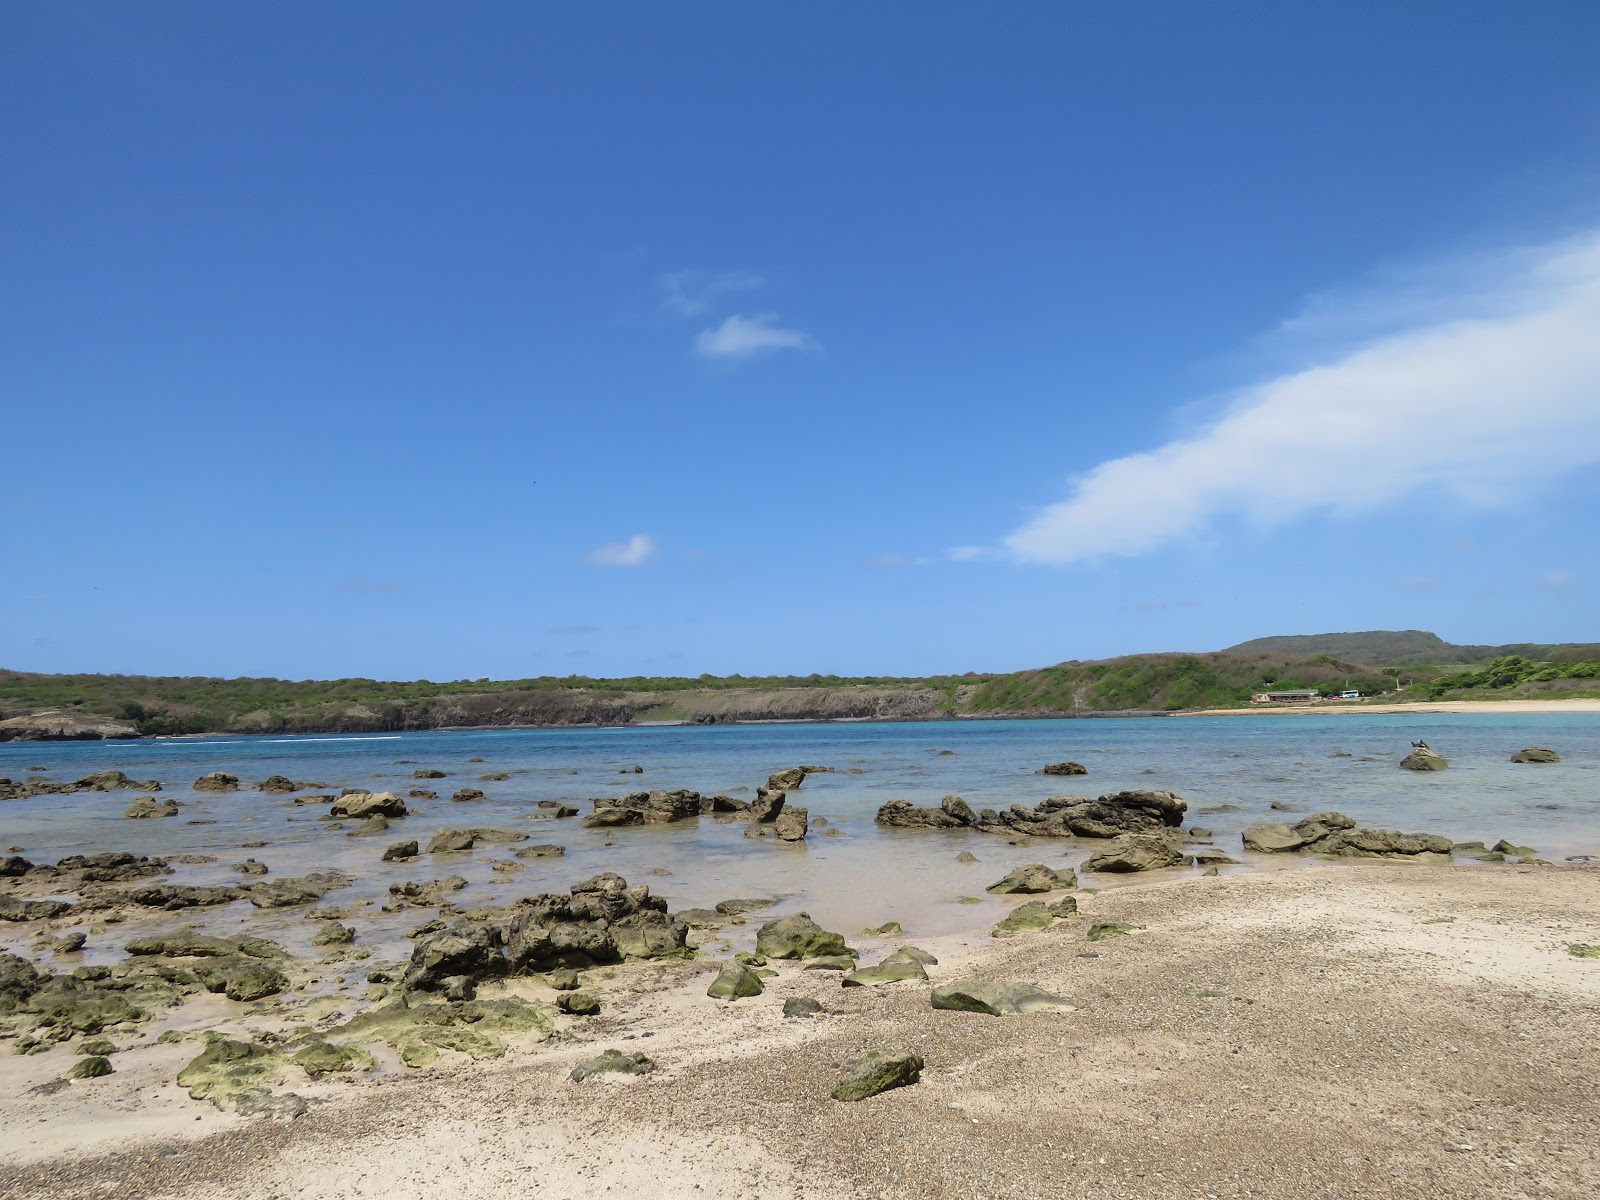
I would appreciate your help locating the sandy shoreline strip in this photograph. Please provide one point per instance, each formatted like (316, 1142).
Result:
(1419, 708)
(1360, 1031)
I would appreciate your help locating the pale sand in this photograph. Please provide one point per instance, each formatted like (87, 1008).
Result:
(1419, 707)
(1284, 1034)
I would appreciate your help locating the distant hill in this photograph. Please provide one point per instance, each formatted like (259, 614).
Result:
(1410, 647)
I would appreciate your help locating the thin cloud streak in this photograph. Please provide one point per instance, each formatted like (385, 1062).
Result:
(1479, 408)
(745, 337)
(635, 552)
(690, 293)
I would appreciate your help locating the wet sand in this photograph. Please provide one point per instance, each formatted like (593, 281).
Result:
(1365, 1030)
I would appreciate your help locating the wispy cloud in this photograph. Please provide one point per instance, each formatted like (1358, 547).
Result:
(1556, 581)
(635, 552)
(744, 337)
(1483, 395)
(690, 293)
(373, 587)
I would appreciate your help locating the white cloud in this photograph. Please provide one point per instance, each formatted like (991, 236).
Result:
(690, 293)
(635, 552)
(742, 337)
(1481, 405)
(1556, 581)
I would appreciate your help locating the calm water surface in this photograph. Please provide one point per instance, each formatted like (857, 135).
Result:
(862, 877)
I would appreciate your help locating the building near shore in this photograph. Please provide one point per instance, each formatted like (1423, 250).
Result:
(1287, 696)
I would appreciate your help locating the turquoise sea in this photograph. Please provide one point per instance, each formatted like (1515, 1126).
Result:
(861, 876)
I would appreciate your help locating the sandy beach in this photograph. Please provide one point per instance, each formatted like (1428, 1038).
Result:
(1418, 708)
(1362, 1030)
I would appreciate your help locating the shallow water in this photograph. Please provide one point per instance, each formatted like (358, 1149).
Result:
(864, 876)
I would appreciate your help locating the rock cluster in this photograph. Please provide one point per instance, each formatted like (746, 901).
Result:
(1059, 816)
(603, 920)
(99, 781)
(1336, 834)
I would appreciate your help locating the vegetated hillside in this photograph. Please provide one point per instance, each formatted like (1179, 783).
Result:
(1166, 682)
(155, 705)
(1514, 676)
(1410, 647)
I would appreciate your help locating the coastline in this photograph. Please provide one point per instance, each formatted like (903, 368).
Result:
(1419, 707)
(1445, 1020)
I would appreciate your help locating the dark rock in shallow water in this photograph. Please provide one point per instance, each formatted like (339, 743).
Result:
(366, 804)
(12, 909)
(1536, 754)
(174, 896)
(279, 785)
(644, 808)
(953, 813)
(217, 781)
(543, 850)
(427, 773)
(878, 1071)
(1035, 877)
(400, 851)
(466, 795)
(1424, 760)
(148, 806)
(1064, 768)
(250, 867)
(450, 841)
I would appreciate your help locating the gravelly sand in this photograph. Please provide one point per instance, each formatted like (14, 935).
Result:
(1285, 1034)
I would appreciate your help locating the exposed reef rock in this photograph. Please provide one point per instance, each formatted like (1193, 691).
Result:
(1060, 816)
(1336, 834)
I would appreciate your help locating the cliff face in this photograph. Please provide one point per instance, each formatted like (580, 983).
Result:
(57, 725)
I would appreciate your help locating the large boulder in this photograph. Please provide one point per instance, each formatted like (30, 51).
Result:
(1035, 877)
(797, 937)
(148, 806)
(1078, 816)
(953, 813)
(995, 997)
(448, 841)
(644, 808)
(113, 781)
(900, 965)
(1336, 834)
(792, 824)
(1136, 852)
(367, 804)
(1274, 837)
(217, 781)
(1424, 759)
(1064, 768)
(1536, 754)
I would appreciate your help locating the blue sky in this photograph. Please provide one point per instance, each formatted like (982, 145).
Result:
(497, 340)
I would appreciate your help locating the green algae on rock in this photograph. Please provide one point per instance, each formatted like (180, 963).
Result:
(612, 1062)
(994, 997)
(878, 1071)
(798, 937)
(734, 982)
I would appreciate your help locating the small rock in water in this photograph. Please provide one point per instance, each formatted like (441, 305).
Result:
(400, 851)
(886, 929)
(966, 856)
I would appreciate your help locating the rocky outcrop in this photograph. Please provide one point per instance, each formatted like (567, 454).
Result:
(61, 725)
(99, 781)
(148, 806)
(1536, 754)
(1424, 760)
(612, 1062)
(1064, 768)
(217, 781)
(1136, 852)
(367, 804)
(602, 920)
(644, 808)
(906, 963)
(1034, 916)
(1336, 834)
(953, 813)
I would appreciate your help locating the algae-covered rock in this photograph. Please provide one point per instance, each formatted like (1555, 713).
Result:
(878, 1071)
(217, 781)
(243, 980)
(831, 962)
(543, 850)
(326, 1058)
(995, 997)
(1064, 768)
(612, 1062)
(739, 907)
(100, 1046)
(90, 1068)
(366, 804)
(1102, 930)
(333, 934)
(1536, 754)
(893, 969)
(1582, 950)
(448, 841)
(578, 1004)
(231, 1074)
(1025, 918)
(797, 937)
(1423, 759)
(733, 982)
(189, 944)
(1035, 877)
(887, 929)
